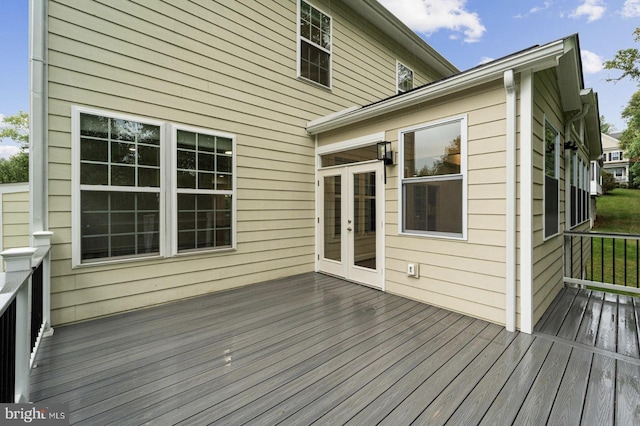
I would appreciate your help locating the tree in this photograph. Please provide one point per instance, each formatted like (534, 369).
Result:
(627, 61)
(16, 128)
(606, 128)
(608, 182)
(16, 168)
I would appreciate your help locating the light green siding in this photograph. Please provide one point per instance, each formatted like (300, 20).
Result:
(219, 65)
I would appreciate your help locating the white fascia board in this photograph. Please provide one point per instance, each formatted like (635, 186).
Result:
(537, 59)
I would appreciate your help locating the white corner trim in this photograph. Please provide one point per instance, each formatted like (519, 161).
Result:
(526, 202)
(511, 243)
(38, 113)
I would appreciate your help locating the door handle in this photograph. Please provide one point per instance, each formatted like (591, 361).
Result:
(349, 229)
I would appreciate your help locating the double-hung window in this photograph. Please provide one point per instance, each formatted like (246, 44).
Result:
(551, 181)
(433, 190)
(404, 78)
(120, 187)
(314, 45)
(204, 190)
(129, 171)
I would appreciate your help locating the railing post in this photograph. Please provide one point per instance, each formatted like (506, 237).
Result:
(43, 239)
(19, 260)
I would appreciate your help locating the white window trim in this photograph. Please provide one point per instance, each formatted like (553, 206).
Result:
(168, 191)
(299, 47)
(464, 141)
(173, 226)
(413, 84)
(76, 187)
(557, 174)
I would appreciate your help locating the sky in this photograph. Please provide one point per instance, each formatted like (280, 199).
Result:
(466, 32)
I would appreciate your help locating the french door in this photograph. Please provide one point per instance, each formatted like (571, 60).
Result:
(351, 221)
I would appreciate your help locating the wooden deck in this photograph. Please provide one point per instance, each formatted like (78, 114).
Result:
(312, 348)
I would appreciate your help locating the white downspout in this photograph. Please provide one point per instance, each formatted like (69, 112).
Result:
(526, 201)
(38, 116)
(511, 177)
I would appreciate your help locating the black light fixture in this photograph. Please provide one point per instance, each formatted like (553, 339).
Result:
(572, 145)
(384, 153)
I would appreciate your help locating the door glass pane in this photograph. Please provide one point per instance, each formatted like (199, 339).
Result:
(364, 218)
(332, 218)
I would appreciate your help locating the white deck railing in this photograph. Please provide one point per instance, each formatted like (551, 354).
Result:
(25, 291)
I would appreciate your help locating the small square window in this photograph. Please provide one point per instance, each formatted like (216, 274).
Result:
(404, 78)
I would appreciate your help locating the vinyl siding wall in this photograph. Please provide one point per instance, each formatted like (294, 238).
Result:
(224, 66)
(464, 276)
(548, 266)
(14, 198)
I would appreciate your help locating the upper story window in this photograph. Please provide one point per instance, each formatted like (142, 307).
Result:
(404, 78)
(127, 169)
(314, 45)
(615, 156)
(551, 180)
(433, 179)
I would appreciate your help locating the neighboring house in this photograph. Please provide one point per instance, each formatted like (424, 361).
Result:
(14, 215)
(614, 160)
(194, 147)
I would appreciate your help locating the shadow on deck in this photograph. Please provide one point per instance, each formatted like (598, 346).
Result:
(313, 348)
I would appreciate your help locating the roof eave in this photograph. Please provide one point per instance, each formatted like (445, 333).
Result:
(382, 18)
(536, 59)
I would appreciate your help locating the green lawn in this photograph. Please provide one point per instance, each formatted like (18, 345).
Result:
(619, 212)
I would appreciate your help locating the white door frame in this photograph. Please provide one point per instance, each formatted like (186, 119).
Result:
(346, 267)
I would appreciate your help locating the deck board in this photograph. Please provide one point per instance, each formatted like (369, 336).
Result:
(314, 348)
(627, 328)
(588, 330)
(506, 406)
(627, 390)
(599, 403)
(567, 407)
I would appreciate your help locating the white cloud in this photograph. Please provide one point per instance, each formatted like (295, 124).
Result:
(485, 59)
(545, 5)
(591, 62)
(592, 9)
(631, 9)
(7, 151)
(429, 16)
(1, 120)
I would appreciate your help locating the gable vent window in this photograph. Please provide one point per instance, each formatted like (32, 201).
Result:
(314, 45)
(404, 78)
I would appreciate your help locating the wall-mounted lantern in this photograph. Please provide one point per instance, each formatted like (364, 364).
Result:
(572, 145)
(385, 154)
